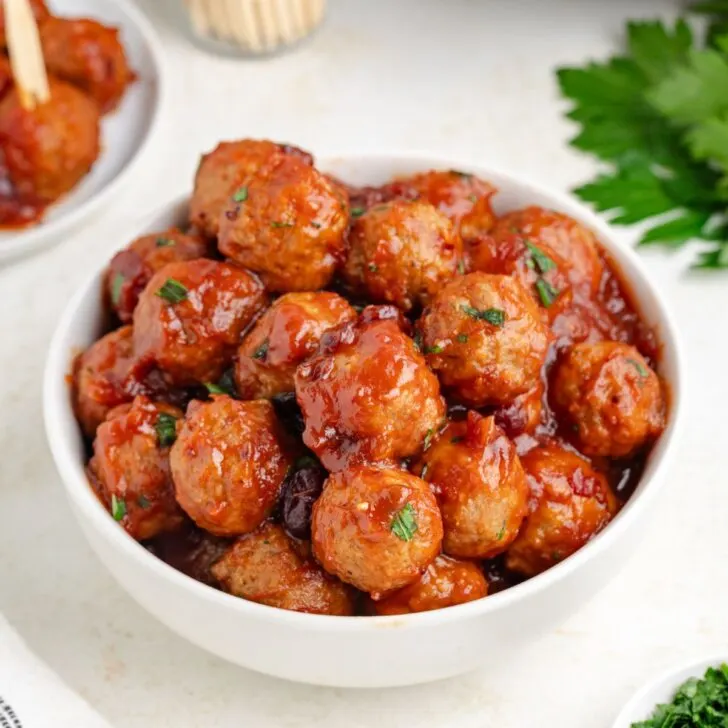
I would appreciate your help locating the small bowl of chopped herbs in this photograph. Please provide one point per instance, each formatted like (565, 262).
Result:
(690, 696)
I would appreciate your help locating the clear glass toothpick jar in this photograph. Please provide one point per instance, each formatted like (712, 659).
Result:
(253, 27)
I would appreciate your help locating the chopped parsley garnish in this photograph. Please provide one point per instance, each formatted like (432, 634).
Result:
(418, 340)
(173, 291)
(546, 292)
(118, 508)
(279, 224)
(166, 428)
(357, 211)
(143, 502)
(262, 351)
(404, 523)
(428, 439)
(461, 267)
(499, 536)
(436, 349)
(241, 194)
(224, 385)
(698, 703)
(162, 242)
(116, 284)
(539, 258)
(424, 470)
(494, 316)
(473, 198)
(639, 367)
(462, 338)
(213, 388)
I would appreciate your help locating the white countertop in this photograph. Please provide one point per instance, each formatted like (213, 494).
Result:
(471, 79)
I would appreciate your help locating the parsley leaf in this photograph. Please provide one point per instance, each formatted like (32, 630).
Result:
(404, 523)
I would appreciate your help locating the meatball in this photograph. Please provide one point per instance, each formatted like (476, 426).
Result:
(228, 464)
(191, 315)
(269, 567)
(131, 465)
(367, 396)
(100, 378)
(221, 171)
(131, 268)
(445, 583)
(462, 197)
(40, 11)
(402, 253)
(375, 528)
(550, 253)
(484, 338)
(287, 223)
(479, 484)
(570, 503)
(48, 149)
(88, 55)
(610, 396)
(284, 336)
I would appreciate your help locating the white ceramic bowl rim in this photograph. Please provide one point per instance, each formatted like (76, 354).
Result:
(32, 238)
(56, 392)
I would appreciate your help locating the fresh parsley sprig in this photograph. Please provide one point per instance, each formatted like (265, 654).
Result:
(658, 117)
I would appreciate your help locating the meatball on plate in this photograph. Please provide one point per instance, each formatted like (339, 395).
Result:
(337, 422)
(68, 156)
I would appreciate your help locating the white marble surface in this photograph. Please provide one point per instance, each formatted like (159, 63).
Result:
(467, 78)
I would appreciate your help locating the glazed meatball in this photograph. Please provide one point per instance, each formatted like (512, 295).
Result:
(550, 253)
(462, 197)
(131, 465)
(367, 396)
(40, 11)
(610, 396)
(89, 55)
(401, 253)
(480, 486)
(191, 315)
(484, 338)
(131, 268)
(269, 567)
(445, 583)
(375, 528)
(287, 223)
(284, 336)
(228, 464)
(570, 503)
(221, 172)
(47, 150)
(100, 378)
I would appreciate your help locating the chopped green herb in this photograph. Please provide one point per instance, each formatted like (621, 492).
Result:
(418, 340)
(116, 285)
(455, 440)
(436, 349)
(279, 224)
(143, 502)
(163, 242)
(462, 338)
(173, 291)
(428, 439)
(473, 198)
(530, 264)
(458, 173)
(499, 536)
(461, 267)
(546, 292)
(262, 351)
(373, 267)
(213, 388)
(494, 316)
(541, 260)
(424, 470)
(166, 428)
(118, 508)
(697, 703)
(357, 211)
(241, 195)
(404, 523)
(639, 367)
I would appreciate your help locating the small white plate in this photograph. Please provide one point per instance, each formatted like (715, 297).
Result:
(662, 690)
(125, 132)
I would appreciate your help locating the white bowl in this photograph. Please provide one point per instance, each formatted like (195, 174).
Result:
(662, 690)
(359, 651)
(125, 132)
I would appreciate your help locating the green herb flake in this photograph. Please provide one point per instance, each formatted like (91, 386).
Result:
(461, 267)
(116, 285)
(173, 291)
(424, 470)
(162, 242)
(166, 428)
(418, 340)
(118, 508)
(144, 502)
(436, 349)
(404, 523)
(473, 198)
(213, 388)
(358, 211)
(540, 259)
(494, 316)
(280, 224)
(501, 534)
(546, 292)
(241, 195)
(428, 439)
(262, 351)
(639, 366)
(462, 338)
